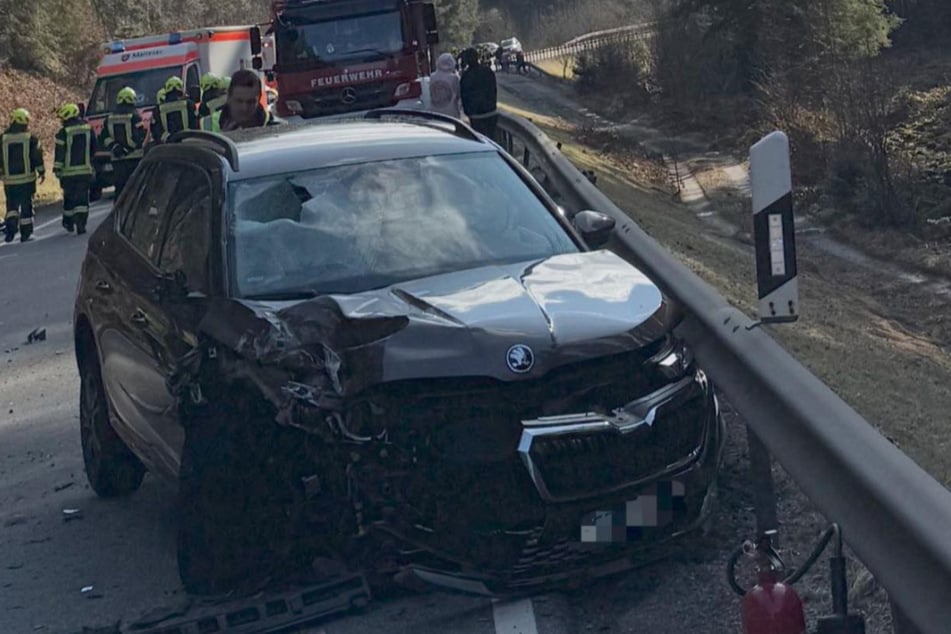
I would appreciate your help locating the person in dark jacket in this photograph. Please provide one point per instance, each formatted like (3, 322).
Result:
(479, 94)
(243, 108)
(175, 113)
(21, 160)
(123, 135)
(75, 147)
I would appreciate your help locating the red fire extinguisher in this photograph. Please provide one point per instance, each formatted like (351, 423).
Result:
(771, 606)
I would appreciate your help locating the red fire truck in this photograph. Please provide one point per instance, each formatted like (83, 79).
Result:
(145, 63)
(341, 56)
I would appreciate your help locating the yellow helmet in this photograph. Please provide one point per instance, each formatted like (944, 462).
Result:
(68, 111)
(160, 96)
(127, 96)
(21, 115)
(210, 81)
(174, 83)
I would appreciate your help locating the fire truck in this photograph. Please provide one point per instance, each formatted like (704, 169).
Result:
(145, 63)
(336, 57)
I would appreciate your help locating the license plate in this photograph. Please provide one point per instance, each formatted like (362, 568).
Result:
(656, 506)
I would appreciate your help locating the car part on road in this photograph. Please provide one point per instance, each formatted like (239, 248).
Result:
(261, 613)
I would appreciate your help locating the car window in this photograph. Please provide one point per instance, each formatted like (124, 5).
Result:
(352, 228)
(149, 212)
(130, 197)
(187, 238)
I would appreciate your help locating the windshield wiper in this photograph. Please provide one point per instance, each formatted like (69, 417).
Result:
(284, 296)
(360, 51)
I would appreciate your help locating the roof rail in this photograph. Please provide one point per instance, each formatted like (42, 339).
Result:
(223, 144)
(461, 129)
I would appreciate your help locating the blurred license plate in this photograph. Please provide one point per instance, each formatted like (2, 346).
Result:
(656, 506)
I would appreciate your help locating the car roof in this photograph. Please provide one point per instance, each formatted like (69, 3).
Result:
(293, 147)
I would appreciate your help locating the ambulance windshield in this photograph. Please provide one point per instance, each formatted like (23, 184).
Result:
(146, 84)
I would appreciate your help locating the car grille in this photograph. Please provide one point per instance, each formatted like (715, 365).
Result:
(576, 466)
(330, 101)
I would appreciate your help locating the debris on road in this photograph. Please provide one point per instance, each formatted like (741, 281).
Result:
(63, 487)
(72, 514)
(15, 566)
(14, 521)
(37, 334)
(89, 593)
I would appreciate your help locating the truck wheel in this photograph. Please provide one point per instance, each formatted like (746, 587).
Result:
(230, 515)
(111, 468)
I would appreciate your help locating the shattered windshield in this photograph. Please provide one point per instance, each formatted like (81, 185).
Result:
(364, 37)
(353, 228)
(146, 84)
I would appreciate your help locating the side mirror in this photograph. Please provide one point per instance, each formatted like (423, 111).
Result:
(256, 46)
(257, 63)
(432, 28)
(194, 93)
(594, 226)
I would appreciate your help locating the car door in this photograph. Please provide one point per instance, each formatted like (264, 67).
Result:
(185, 254)
(133, 350)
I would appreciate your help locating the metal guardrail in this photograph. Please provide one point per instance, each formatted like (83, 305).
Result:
(894, 515)
(592, 41)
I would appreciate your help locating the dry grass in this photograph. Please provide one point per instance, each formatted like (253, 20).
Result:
(558, 67)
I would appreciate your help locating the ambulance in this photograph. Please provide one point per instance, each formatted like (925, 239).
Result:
(145, 63)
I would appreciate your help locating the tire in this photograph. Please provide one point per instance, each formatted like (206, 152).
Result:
(111, 468)
(230, 512)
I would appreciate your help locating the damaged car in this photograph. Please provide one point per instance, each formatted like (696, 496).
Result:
(379, 343)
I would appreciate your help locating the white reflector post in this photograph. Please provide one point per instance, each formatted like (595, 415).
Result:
(773, 229)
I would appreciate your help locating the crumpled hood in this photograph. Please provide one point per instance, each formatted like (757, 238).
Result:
(509, 322)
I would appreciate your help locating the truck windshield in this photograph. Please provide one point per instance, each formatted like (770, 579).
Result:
(146, 84)
(362, 37)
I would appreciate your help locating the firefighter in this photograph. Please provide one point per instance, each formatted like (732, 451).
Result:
(123, 135)
(75, 147)
(20, 162)
(176, 112)
(479, 94)
(213, 94)
(243, 108)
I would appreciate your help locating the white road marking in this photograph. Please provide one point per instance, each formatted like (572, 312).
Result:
(514, 617)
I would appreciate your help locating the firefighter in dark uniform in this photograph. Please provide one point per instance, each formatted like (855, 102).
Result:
(175, 113)
(20, 162)
(213, 94)
(75, 147)
(123, 135)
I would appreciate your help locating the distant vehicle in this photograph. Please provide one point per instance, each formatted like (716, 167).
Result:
(381, 340)
(488, 47)
(511, 45)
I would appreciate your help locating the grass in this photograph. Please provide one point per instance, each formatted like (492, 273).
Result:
(557, 67)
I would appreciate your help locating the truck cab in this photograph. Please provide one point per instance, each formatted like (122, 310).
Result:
(336, 57)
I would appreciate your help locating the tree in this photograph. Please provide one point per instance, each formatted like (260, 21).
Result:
(457, 20)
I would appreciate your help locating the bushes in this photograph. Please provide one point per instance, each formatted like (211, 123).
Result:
(622, 68)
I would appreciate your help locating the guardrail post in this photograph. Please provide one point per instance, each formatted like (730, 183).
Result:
(764, 493)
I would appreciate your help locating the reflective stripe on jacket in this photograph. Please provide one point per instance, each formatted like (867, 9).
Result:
(16, 159)
(78, 157)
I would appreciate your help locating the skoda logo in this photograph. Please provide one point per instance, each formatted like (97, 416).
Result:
(348, 96)
(520, 359)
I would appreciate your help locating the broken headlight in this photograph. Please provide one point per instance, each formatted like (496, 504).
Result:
(674, 360)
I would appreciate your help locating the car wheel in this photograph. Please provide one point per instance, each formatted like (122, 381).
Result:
(231, 515)
(111, 468)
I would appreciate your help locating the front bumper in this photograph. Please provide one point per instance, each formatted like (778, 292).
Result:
(570, 536)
